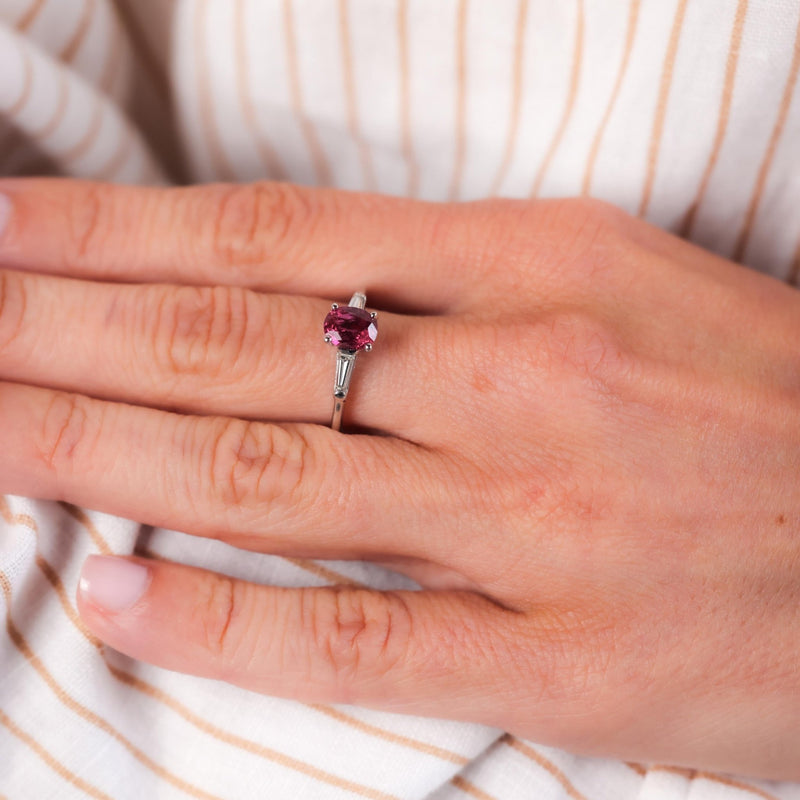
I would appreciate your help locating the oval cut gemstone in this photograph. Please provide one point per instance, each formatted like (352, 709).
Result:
(350, 328)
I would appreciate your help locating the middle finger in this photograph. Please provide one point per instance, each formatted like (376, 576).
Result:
(208, 350)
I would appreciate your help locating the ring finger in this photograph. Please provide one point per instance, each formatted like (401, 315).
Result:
(293, 489)
(209, 350)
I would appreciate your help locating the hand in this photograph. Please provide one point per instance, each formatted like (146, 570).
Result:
(579, 433)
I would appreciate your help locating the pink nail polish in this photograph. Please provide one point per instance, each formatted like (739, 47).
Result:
(113, 584)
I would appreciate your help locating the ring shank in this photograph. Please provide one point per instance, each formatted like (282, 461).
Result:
(336, 417)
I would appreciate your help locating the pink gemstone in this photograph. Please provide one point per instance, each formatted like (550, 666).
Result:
(350, 328)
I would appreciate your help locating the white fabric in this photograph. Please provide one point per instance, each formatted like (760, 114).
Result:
(444, 99)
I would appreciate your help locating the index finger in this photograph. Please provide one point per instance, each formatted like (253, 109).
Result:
(275, 237)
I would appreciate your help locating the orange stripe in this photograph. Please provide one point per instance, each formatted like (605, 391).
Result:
(336, 578)
(461, 98)
(318, 159)
(390, 736)
(47, 569)
(87, 714)
(70, 50)
(322, 572)
(325, 573)
(51, 761)
(633, 18)
(54, 580)
(516, 98)
(766, 163)
(219, 161)
(661, 105)
(80, 516)
(16, 519)
(266, 152)
(412, 187)
(577, 58)
(246, 745)
(693, 774)
(352, 104)
(28, 18)
(27, 84)
(684, 772)
(470, 788)
(637, 768)
(745, 787)
(539, 759)
(724, 114)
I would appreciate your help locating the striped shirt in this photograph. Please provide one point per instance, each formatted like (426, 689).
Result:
(684, 112)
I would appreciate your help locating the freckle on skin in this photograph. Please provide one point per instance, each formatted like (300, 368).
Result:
(781, 520)
(481, 383)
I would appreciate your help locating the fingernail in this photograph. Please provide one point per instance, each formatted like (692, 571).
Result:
(5, 212)
(113, 584)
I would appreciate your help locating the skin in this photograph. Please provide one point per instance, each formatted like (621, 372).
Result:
(580, 434)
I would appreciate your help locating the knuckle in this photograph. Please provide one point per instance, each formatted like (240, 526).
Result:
(198, 330)
(227, 620)
(588, 218)
(12, 308)
(553, 651)
(560, 241)
(259, 467)
(359, 633)
(65, 432)
(575, 656)
(89, 222)
(592, 233)
(583, 208)
(215, 610)
(252, 222)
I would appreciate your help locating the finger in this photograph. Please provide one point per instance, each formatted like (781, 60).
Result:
(211, 350)
(294, 489)
(268, 236)
(433, 653)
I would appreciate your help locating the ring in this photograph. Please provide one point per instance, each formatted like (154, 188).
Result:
(349, 329)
